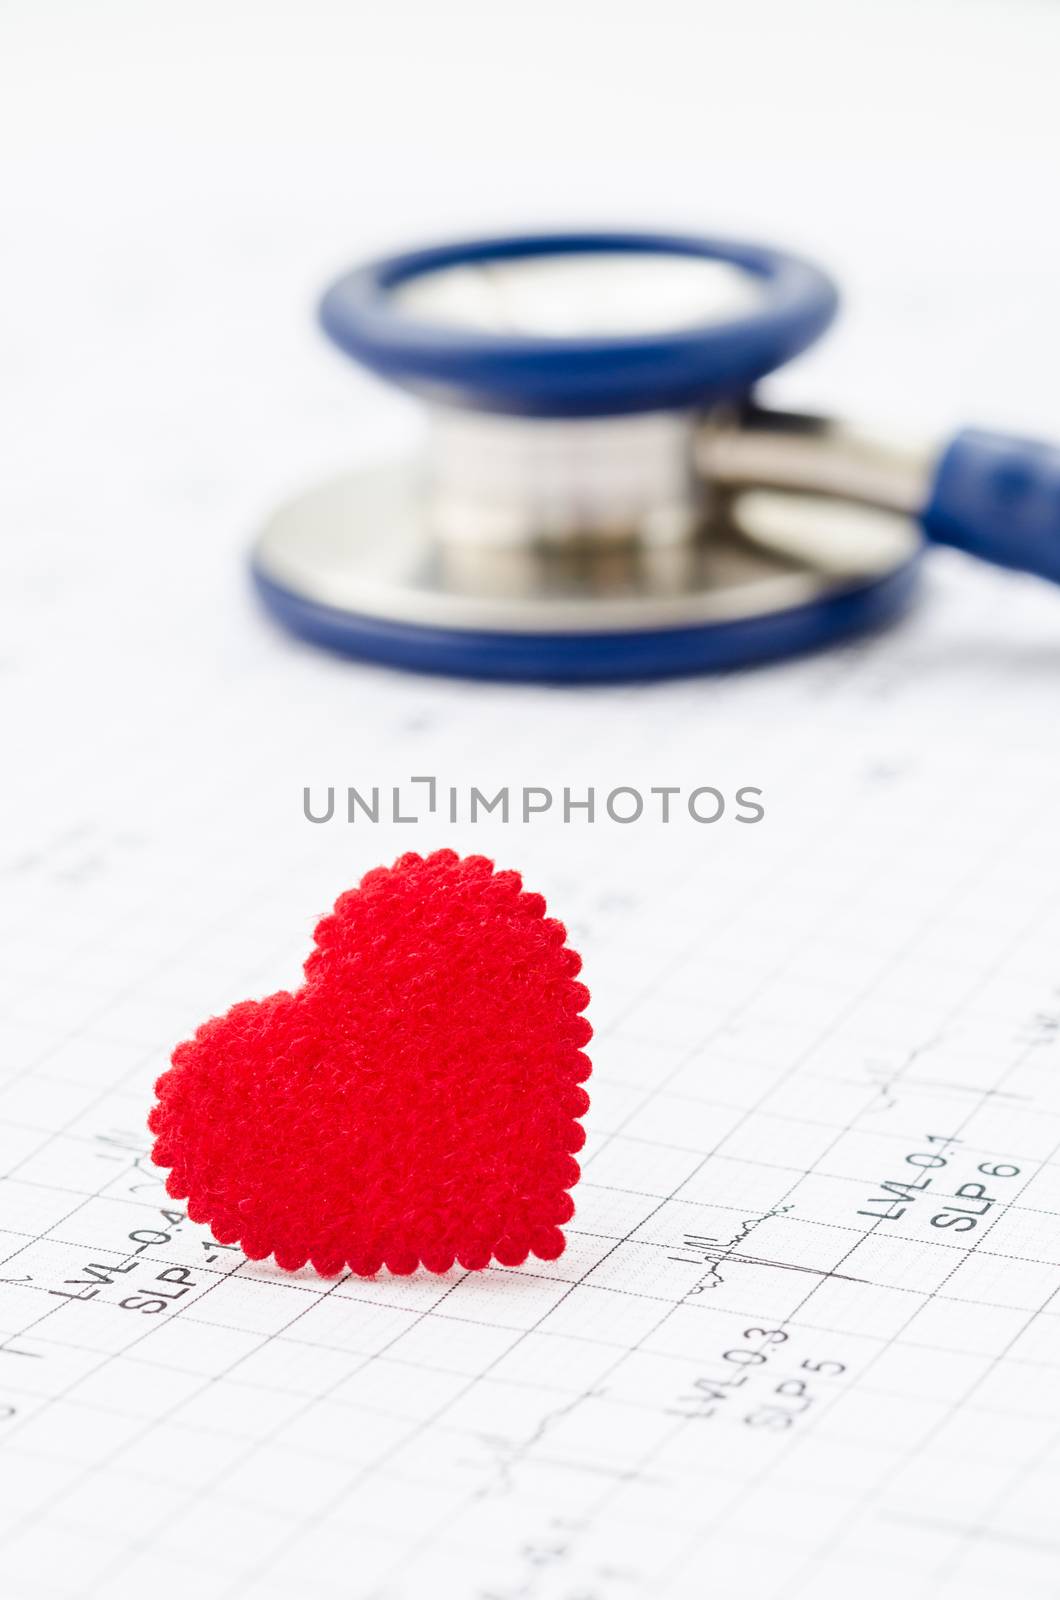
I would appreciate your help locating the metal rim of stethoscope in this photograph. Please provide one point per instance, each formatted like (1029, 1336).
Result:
(379, 567)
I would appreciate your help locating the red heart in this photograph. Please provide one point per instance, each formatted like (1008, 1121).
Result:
(414, 1102)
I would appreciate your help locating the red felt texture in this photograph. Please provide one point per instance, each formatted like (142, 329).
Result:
(414, 1103)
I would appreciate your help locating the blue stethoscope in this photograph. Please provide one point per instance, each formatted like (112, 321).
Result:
(600, 497)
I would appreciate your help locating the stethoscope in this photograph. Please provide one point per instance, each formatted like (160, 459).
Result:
(600, 496)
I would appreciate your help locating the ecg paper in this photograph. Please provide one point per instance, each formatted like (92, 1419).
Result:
(805, 1338)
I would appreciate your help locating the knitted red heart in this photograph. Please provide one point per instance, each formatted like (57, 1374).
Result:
(414, 1102)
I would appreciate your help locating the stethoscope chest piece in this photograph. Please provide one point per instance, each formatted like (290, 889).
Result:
(598, 498)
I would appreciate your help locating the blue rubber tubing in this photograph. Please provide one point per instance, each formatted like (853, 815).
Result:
(998, 498)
